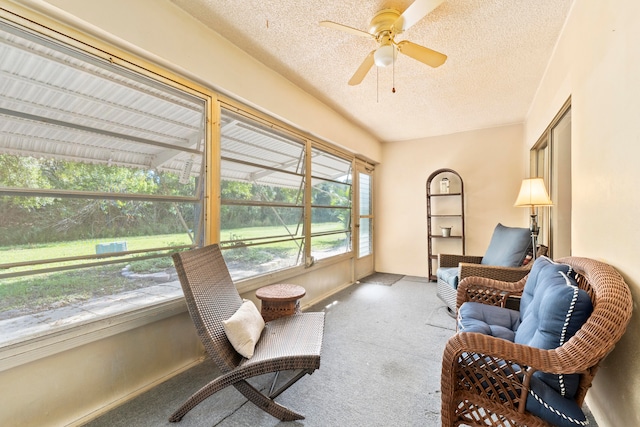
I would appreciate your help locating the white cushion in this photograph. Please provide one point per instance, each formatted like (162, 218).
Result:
(243, 329)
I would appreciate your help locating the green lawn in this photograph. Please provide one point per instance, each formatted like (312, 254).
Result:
(21, 295)
(86, 247)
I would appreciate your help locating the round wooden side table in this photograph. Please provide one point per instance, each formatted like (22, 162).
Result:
(279, 300)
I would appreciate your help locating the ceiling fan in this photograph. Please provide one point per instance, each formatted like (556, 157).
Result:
(387, 24)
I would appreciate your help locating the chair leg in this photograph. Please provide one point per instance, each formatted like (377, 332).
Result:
(452, 313)
(197, 397)
(265, 403)
(273, 394)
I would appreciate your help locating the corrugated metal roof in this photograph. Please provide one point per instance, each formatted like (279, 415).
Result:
(261, 152)
(59, 103)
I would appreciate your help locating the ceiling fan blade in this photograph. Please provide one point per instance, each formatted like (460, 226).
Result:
(423, 54)
(415, 12)
(351, 30)
(362, 70)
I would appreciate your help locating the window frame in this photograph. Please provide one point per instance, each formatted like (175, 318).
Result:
(544, 162)
(53, 341)
(251, 283)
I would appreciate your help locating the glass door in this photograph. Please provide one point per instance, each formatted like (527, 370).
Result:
(551, 160)
(363, 237)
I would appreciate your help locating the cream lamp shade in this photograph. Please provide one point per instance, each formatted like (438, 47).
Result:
(533, 193)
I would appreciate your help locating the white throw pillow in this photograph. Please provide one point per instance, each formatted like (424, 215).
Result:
(243, 329)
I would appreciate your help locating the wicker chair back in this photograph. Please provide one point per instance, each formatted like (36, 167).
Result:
(211, 298)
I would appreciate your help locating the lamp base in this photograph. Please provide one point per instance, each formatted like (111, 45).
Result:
(533, 227)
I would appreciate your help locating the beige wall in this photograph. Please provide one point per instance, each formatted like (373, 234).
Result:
(485, 160)
(597, 62)
(65, 387)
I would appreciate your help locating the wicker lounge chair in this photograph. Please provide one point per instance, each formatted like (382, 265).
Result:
(490, 381)
(290, 343)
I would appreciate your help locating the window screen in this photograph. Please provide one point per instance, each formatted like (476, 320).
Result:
(101, 176)
(262, 192)
(330, 204)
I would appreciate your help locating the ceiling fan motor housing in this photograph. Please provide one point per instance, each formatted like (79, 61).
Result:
(383, 22)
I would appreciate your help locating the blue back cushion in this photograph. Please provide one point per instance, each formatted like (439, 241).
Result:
(508, 246)
(543, 269)
(552, 310)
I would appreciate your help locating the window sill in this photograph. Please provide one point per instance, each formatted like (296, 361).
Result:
(281, 276)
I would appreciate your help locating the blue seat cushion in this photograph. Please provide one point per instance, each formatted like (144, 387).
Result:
(448, 275)
(552, 310)
(488, 320)
(543, 401)
(508, 246)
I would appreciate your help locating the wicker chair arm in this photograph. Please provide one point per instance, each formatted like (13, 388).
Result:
(506, 274)
(560, 360)
(487, 291)
(452, 260)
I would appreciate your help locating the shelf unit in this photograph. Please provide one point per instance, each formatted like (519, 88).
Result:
(444, 208)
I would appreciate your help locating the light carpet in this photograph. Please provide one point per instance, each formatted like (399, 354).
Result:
(380, 366)
(381, 363)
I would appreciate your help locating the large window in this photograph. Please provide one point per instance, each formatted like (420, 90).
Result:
(262, 197)
(330, 205)
(104, 174)
(284, 201)
(101, 178)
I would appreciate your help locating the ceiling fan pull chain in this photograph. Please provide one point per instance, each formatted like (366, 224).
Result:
(377, 85)
(393, 74)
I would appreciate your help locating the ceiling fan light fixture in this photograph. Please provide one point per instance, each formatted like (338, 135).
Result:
(384, 55)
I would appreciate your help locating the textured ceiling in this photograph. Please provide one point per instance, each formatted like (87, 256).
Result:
(497, 53)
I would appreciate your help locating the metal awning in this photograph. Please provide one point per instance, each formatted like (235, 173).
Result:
(57, 102)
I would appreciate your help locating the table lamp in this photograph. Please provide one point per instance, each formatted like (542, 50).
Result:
(533, 194)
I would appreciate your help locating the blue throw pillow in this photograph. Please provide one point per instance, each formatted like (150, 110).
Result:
(448, 275)
(557, 310)
(508, 246)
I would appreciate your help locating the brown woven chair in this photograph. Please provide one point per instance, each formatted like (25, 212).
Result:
(494, 391)
(469, 265)
(290, 343)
